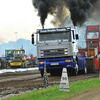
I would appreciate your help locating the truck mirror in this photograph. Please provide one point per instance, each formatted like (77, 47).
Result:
(77, 37)
(32, 38)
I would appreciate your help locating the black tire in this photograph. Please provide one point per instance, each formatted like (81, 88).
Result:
(0, 64)
(85, 70)
(42, 72)
(52, 73)
(74, 72)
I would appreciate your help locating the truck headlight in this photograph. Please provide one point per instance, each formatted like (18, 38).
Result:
(9, 61)
(65, 53)
(41, 62)
(65, 49)
(68, 60)
(42, 55)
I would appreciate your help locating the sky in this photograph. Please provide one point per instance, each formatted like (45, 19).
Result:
(19, 16)
(18, 19)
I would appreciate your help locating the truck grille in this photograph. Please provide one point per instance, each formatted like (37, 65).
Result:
(54, 52)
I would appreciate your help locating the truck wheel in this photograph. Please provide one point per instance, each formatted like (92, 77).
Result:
(75, 72)
(0, 64)
(52, 73)
(85, 70)
(42, 72)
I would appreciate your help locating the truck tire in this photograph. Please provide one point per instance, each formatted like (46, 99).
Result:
(42, 72)
(74, 72)
(52, 73)
(85, 68)
(0, 64)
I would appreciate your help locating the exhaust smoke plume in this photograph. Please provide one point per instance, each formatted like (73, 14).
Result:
(80, 10)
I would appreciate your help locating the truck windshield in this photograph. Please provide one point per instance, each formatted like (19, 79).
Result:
(54, 37)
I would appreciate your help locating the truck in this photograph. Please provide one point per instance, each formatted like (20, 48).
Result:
(92, 50)
(57, 49)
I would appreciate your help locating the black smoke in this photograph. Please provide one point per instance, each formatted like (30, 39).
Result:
(80, 10)
(44, 7)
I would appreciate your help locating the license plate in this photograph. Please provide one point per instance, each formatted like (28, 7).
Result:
(54, 63)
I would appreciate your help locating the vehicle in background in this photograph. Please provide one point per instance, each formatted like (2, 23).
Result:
(31, 60)
(19, 59)
(5, 61)
(92, 49)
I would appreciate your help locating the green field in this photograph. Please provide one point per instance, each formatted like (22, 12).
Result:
(54, 93)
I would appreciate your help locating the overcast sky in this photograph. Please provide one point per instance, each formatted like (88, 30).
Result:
(18, 16)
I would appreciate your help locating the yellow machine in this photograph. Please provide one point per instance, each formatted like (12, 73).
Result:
(5, 61)
(19, 58)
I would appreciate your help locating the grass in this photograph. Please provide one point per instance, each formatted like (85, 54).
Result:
(54, 93)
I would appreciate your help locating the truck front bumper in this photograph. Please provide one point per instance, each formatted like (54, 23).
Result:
(56, 63)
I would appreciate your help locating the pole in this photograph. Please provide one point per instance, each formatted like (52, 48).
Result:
(16, 35)
(99, 68)
(45, 81)
(88, 48)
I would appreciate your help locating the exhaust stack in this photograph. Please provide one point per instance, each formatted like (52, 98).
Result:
(75, 27)
(77, 36)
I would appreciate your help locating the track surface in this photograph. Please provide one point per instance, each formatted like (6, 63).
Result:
(23, 82)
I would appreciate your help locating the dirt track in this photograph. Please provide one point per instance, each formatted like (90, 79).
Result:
(21, 82)
(88, 95)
